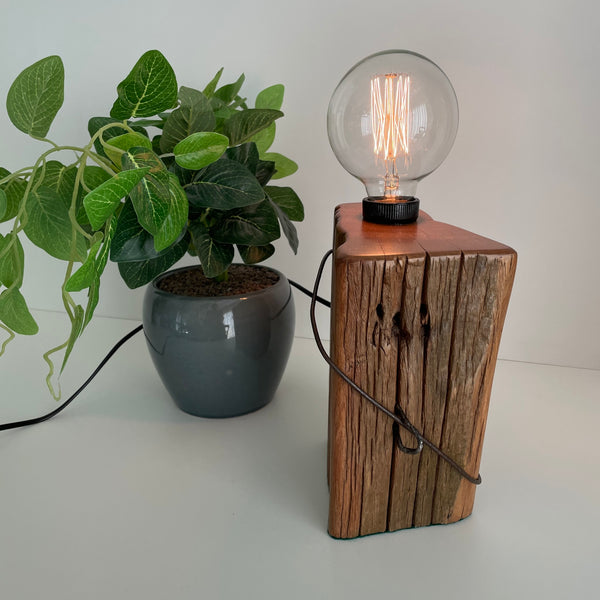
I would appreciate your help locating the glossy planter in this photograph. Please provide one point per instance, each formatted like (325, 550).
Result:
(220, 356)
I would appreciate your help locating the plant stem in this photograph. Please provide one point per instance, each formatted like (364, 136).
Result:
(102, 162)
(50, 364)
(11, 337)
(46, 140)
(85, 152)
(14, 175)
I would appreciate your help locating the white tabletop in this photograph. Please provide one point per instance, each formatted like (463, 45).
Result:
(124, 496)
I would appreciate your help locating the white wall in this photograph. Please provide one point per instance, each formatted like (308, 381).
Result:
(523, 169)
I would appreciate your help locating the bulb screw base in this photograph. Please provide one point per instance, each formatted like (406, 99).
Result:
(401, 211)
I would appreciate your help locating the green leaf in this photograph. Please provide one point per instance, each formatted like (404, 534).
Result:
(255, 225)
(36, 96)
(139, 273)
(288, 227)
(214, 257)
(242, 125)
(255, 254)
(61, 179)
(131, 242)
(199, 150)
(271, 97)
(159, 123)
(76, 330)
(3, 203)
(85, 275)
(220, 109)
(96, 123)
(150, 88)
(63, 182)
(183, 175)
(115, 147)
(49, 227)
(14, 191)
(92, 303)
(102, 257)
(225, 184)
(12, 263)
(287, 199)
(156, 144)
(265, 171)
(15, 314)
(283, 165)
(265, 138)
(239, 102)
(151, 197)
(176, 219)
(194, 114)
(246, 154)
(101, 202)
(49, 174)
(209, 90)
(94, 176)
(228, 93)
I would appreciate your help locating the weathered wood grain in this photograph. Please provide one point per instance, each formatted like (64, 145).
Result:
(476, 336)
(439, 301)
(409, 396)
(369, 352)
(417, 313)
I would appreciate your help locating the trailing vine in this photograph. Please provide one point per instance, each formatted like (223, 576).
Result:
(199, 184)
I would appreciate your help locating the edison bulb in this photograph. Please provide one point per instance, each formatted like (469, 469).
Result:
(392, 121)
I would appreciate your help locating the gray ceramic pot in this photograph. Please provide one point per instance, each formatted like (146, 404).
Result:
(223, 356)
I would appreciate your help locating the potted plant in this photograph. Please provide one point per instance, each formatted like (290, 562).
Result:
(171, 171)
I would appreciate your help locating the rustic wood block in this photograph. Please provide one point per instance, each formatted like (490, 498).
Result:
(417, 315)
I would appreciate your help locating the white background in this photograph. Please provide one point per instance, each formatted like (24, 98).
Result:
(523, 169)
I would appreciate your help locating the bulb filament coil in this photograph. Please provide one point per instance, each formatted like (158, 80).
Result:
(390, 115)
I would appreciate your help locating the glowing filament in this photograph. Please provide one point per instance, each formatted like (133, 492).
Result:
(390, 113)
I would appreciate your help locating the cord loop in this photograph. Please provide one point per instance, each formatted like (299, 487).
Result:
(400, 419)
(410, 427)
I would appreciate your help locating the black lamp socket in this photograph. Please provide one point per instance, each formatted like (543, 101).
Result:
(401, 211)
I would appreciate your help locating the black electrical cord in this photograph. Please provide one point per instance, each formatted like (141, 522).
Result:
(113, 350)
(14, 425)
(310, 294)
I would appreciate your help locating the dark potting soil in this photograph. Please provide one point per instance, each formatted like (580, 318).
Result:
(242, 279)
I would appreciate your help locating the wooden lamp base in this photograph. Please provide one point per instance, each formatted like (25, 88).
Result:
(417, 315)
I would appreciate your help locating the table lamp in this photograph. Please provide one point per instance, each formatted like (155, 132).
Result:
(417, 311)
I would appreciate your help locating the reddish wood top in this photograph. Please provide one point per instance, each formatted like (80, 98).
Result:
(357, 239)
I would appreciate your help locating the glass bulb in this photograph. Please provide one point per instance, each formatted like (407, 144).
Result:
(391, 121)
